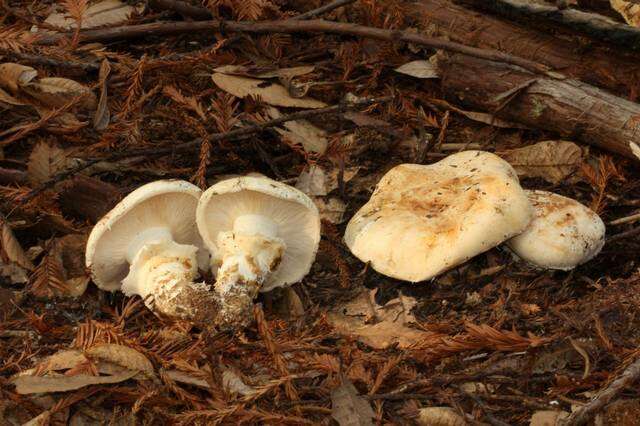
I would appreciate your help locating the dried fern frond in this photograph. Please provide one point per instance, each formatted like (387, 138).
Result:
(15, 39)
(76, 9)
(242, 9)
(48, 278)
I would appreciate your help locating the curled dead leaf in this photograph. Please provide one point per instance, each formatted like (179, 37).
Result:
(551, 160)
(13, 76)
(57, 92)
(547, 418)
(302, 132)
(46, 384)
(44, 162)
(419, 69)
(629, 9)
(100, 14)
(123, 356)
(270, 93)
(348, 408)
(439, 416)
(11, 249)
(378, 326)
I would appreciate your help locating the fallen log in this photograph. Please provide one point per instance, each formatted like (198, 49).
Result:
(596, 65)
(569, 107)
(592, 24)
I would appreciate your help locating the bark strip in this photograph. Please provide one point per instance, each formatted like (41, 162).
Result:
(571, 108)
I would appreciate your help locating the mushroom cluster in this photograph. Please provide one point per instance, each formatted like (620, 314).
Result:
(261, 234)
(257, 234)
(423, 220)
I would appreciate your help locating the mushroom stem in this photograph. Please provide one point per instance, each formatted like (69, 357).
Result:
(246, 260)
(162, 273)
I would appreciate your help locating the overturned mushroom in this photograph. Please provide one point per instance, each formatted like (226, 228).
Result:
(562, 235)
(148, 245)
(423, 220)
(262, 234)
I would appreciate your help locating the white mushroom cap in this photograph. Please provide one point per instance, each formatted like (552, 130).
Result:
(165, 204)
(422, 220)
(295, 216)
(562, 235)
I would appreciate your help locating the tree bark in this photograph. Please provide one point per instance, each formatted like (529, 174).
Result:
(569, 107)
(592, 24)
(596, 65)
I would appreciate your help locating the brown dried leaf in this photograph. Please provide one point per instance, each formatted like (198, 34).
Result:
(13, 76)
(100, 14)
(44, 162)
(629, 9)
(57, 92)
(551, 160)
(62, 273)
(270, 93)
(287, 73)
(364, 120)
(302, 132)
(419, 69)
(315, 180)
(12, 250)
(103, 116)
(234, 384)
(490, 119)
(375, 325)
(348, 408)
(121, 355)
(182, 377)
(547, 418)
(45, 384)
(439, 416)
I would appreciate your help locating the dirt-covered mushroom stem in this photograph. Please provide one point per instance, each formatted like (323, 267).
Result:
(148, 245)
(262, 233)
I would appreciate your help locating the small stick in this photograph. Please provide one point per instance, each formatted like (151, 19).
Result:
(583, 414)
(233, 134)
(296, 26)
(202, 14)
(322, 9)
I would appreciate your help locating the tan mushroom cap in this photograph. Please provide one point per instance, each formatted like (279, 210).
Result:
(562, 235)
(423, 220)
(169, 204)
(293, 211)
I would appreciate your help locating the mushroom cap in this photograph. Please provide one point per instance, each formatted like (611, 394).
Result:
(424, 219)
(293, 211)
(563, 233)
(169, 204)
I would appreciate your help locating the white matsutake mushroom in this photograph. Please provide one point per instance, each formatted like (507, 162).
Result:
(148, 246)
(562, 235)
(262, 234)
(425, 219)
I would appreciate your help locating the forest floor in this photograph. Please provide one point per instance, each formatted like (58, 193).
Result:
(495, 340)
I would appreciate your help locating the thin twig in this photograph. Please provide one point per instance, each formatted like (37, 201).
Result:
(233, 134)
(585, 413)
(292, 26)
(622, 235)
(202, 14)
(322, 9)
